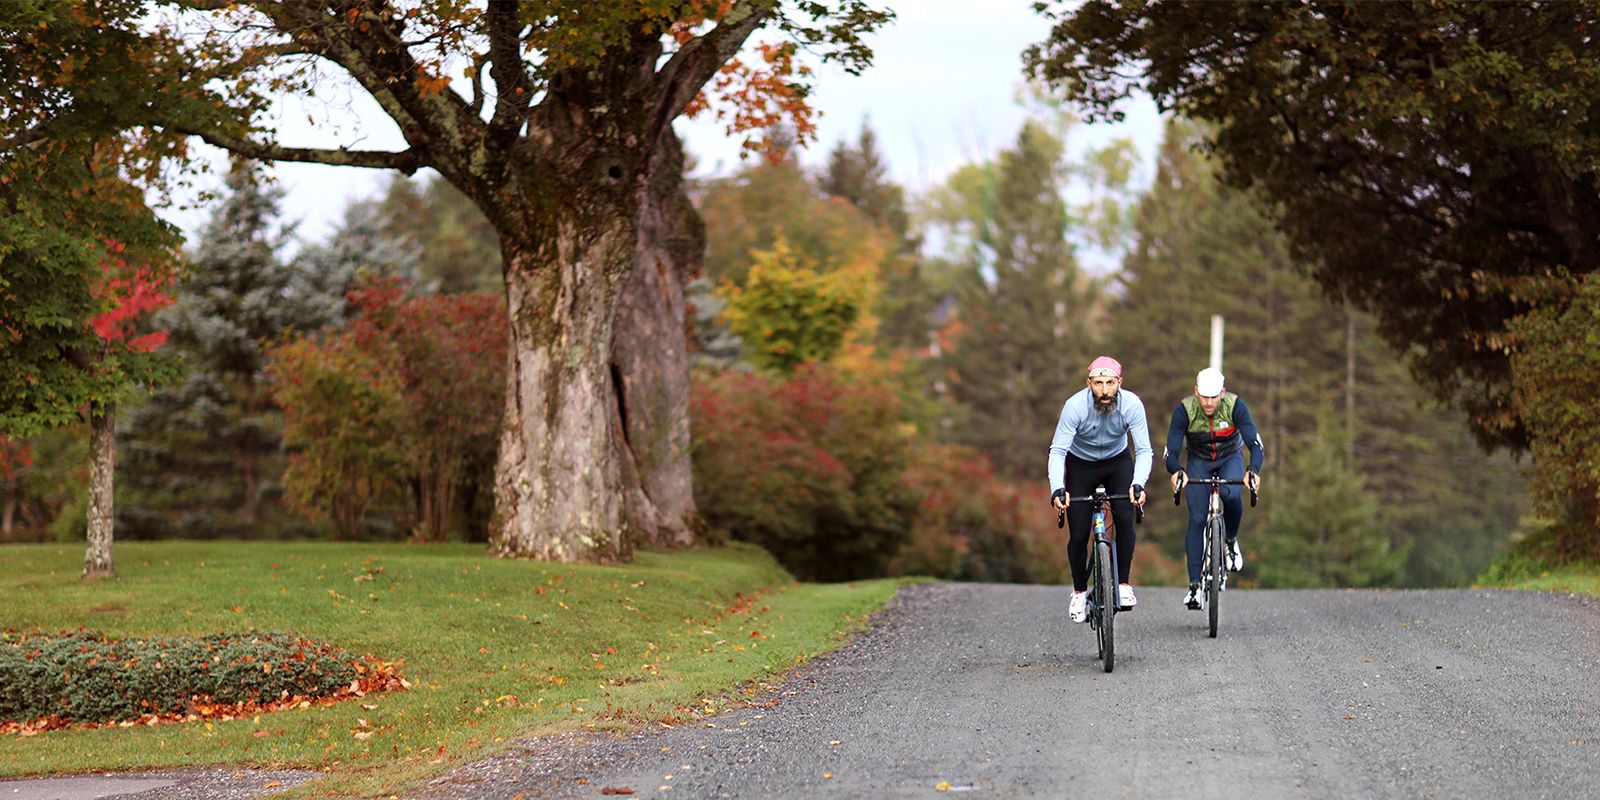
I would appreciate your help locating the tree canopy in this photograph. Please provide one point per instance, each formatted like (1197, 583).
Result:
(1429, 160)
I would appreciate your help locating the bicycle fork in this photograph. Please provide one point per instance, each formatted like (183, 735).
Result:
(1213, 517)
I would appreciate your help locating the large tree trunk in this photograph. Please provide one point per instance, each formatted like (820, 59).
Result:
(97, 561)
(560, 490)
(651, 358)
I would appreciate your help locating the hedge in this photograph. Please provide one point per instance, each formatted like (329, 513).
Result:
(83, 676)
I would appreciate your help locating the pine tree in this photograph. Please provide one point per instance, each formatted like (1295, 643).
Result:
(1024, 310)
(455, 247)
(859, 175)
(1326, 532)
(1303, 362)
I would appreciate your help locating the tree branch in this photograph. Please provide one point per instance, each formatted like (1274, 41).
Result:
(687, 72)
(435, 121)
(478, 60)
(511, 81)
(406, 161)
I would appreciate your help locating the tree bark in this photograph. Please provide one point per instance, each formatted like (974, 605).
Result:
(651, 360)
(97, 560)
(560, 490)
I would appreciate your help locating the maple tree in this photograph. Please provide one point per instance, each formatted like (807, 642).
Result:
(83, 264)
(447, 354)
(789, 314)
(559, 130)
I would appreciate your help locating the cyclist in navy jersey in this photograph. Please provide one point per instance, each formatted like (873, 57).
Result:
(1089, 449)
(1217, 427)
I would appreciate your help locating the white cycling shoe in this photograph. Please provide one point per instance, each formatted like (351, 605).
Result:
(1125, 597)
(1078, 609)
(1235, 558)
(1196, 598)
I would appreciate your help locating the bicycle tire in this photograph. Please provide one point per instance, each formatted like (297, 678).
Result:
(1105, 590)
(1218, 568)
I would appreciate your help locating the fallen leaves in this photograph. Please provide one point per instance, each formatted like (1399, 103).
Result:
(376, 676)
(615, 790)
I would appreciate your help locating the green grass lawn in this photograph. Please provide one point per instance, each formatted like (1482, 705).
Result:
(1581, 578)
(495, 649)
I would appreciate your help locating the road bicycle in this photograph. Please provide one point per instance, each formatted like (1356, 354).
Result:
(1104, 602)
(1213, 561)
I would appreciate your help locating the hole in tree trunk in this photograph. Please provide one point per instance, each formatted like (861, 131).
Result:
(615, 172)
(622, 401)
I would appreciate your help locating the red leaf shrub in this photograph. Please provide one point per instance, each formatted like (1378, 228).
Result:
(809, 467)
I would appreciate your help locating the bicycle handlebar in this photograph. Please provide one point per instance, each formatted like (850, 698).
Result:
(1212, 482)
(1138, 511)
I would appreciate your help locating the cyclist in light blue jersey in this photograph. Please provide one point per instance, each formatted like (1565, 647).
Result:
(1089, 449)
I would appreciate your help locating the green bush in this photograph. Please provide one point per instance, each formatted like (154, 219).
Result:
(85, 677)
(1555, 372)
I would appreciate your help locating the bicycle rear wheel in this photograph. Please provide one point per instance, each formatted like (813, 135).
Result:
(1105, 589)
(1216, 569)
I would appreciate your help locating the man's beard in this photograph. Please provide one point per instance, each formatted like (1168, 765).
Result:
(1103, 405)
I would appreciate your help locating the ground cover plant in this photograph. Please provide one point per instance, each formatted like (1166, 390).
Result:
(51, 681)
(494, 649)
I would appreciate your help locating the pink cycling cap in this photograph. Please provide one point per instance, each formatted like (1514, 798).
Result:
(1105, 365)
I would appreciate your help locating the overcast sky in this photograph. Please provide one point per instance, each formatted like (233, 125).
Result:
(941, 93)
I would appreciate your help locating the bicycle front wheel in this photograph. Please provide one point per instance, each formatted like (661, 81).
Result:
(1216, 570)
(1105, 589)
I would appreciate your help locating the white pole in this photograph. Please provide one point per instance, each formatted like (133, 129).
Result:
(1216, 341)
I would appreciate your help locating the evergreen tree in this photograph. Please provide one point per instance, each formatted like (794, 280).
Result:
(202, 457)
(455, 245)
(1302, 362)
(363, 245)
(859, 175)
(1024, 311)
(1327, 531)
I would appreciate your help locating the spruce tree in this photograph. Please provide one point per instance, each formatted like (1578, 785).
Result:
(201, 458)
(1305, 363)
(1024, 310)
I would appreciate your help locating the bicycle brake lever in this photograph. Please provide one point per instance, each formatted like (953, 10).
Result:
(1138, 514)
(1253, 495)
(1061, 518)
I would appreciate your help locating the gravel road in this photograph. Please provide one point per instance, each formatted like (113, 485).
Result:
(987, 690)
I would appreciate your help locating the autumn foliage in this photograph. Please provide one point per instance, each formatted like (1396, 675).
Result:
(128, 294)
(809, 467)
(407, 400)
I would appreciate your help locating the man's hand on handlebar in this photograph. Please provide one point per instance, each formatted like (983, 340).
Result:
(1252, 479)
(1059, 499)
(1179, 479)
(1136, 493)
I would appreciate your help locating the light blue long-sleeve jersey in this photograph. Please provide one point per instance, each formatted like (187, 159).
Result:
(1093, 436)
